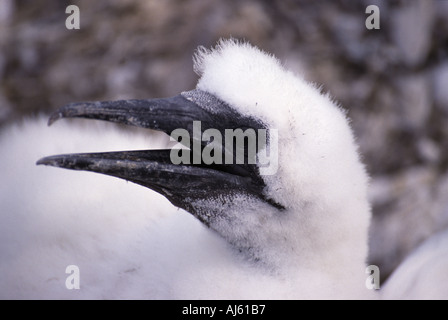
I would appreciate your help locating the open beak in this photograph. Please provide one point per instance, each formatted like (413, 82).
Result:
(182, 184)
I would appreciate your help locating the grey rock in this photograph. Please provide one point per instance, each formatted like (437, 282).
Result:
(6, 11)
(415, 101)
(5, 108)
(411, 26)
(440, 86)
(429, 151)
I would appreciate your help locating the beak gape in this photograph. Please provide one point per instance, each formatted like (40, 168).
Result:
(181, 176)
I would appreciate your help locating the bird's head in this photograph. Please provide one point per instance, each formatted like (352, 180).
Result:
(302, 189)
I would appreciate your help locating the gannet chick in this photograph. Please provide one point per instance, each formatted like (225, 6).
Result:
(422, 275)
(298, 232)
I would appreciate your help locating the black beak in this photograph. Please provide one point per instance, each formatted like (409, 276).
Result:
(182, 184)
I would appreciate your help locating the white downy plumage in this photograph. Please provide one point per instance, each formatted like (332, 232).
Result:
(129, 242)
(423, 275)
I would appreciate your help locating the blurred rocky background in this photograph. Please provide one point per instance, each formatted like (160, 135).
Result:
(392, 81)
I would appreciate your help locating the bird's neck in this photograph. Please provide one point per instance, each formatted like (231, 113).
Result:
(331, 240)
